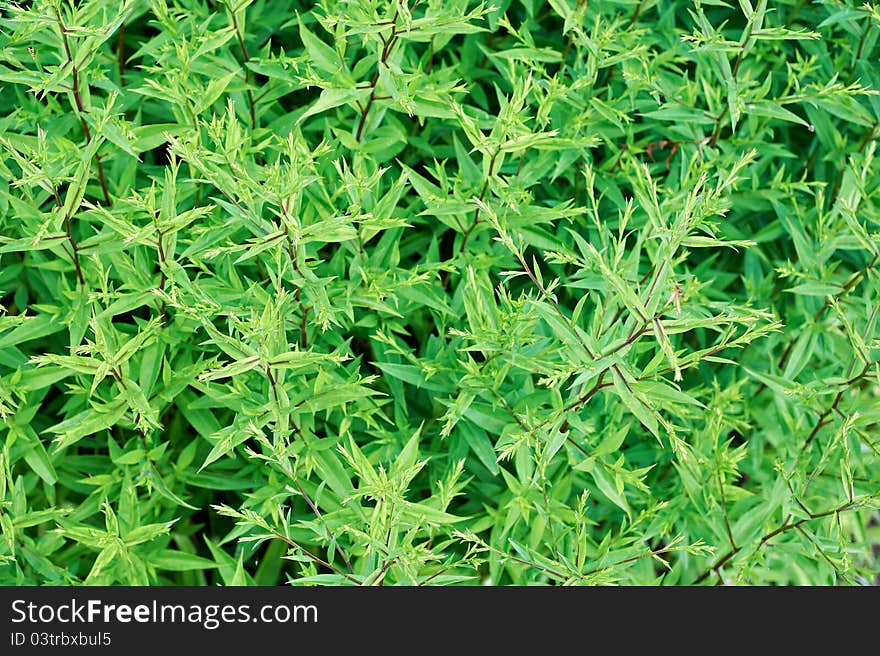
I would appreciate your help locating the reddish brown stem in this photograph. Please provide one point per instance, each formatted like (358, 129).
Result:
(80, 107)
(387, 45)
(120, 54)
(74, 248)
(476, 219)
(246, 60)
(772, 534)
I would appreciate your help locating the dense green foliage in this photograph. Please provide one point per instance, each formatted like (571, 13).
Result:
(369, 291)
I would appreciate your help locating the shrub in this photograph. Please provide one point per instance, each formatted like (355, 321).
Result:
(372, 291)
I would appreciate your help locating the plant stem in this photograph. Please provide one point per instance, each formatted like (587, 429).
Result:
(120, 54)
(321, 518)
(780, 529)
(482, 197)
(317, 559)
(68, 231)
(246, 59)
(80, 108)
(387, 44)
(294, 260)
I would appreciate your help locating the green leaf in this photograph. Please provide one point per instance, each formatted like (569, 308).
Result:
(479, 443)
(179, 561)
(321, 55)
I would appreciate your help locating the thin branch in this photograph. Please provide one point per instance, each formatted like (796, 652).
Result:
(246, 60)
(483, 191)
(68, 231)
(294, 260)
(321, 518)
(778, 530)
(80, 108)
(387, 45)
(847, 287)
(555, 305)
(606, 78)
(313, 557)
(120, 54)
(747, 37)
(823, 420)
(724, 507)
